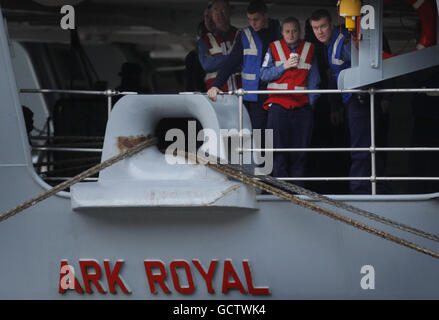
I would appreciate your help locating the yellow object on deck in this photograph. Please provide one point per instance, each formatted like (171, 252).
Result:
(350, 9)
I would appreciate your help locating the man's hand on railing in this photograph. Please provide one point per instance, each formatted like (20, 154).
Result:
(212, 93)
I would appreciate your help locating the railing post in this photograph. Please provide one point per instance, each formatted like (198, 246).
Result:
(109, 93)
(240, 93)
(372, 141)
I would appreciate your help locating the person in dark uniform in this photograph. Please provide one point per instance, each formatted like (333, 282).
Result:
(330, 129)
(250, 47)
(425, 110)
(337, 47)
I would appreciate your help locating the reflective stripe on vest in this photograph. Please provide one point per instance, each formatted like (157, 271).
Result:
(418, 4)
(233, 82)
(302, 61)
(252, 59)
(282, 86)
(248, 76)
(280, 51)
(291, 79)
(334, 53)
(211, 75)
(277, 86)
(281, 54)
(304, 56)
(215, 47)
(334, 60)
(252, 51)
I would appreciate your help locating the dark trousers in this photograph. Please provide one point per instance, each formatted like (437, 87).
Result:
(292, 128)
(425, 163)
(258, 117)
(257, 113)
(359, 128)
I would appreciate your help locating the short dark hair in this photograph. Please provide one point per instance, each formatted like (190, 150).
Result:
(257, 6)
(290, 20)
(319, 14)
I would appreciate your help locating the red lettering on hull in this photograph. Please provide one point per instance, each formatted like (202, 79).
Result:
(113, 277)
(182, 264)
(249, 279)
(159, 278)
(236, 284)
(181, 272)
(207, 276)
(91, 277)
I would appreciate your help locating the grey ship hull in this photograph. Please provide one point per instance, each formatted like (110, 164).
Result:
(295, 253)
(292, 253)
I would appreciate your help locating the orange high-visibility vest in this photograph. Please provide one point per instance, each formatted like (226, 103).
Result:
(217, 46)
(292, 79)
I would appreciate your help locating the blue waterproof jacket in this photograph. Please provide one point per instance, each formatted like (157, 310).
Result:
(252, 60)
(338, 61)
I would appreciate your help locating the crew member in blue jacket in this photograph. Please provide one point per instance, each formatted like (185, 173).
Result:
(337, 44)
(290, 64)
(249, 49)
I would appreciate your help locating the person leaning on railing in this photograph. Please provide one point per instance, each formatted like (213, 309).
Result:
(290, 65)
(249, 49)
(215, 45)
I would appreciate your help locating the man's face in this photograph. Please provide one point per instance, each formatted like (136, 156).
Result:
(208, 22)
(322, 29)
(257, 20)
(221, 15)
(290, 33)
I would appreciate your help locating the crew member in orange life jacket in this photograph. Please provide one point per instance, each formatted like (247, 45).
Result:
(290, 65)
(214, 47)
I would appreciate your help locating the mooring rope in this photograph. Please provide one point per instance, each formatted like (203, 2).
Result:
(275, 187)
(87, 173)
(266, 183)
(342, 205)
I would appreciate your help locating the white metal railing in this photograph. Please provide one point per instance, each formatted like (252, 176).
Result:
(372, 149)
(241, 92)
(108, 93)
(62, 149)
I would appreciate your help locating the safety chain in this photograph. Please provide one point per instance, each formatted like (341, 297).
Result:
(66, 184)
